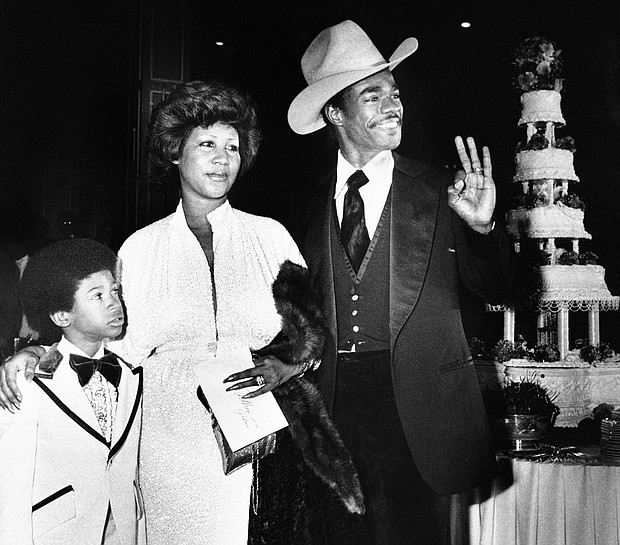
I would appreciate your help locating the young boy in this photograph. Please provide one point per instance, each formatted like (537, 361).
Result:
(68, 458)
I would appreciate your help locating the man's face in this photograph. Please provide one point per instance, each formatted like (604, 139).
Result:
(371, 116)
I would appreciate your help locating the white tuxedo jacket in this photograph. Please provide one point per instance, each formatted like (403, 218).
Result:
(57, 472)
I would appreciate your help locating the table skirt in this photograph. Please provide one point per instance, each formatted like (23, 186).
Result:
(534, 503)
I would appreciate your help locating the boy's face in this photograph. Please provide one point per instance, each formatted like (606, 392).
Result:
(97, 312)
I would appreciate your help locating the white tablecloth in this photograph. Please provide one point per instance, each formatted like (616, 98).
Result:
(534, 503)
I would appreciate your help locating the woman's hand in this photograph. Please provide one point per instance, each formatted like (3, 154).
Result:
(269, 373)
(472, 196)
(25, 360)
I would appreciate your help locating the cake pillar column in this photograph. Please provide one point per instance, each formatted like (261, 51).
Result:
(551, 249)
(550, 183)
(563, 332)
(594, 331)
(509, 325)
(541, 333)
(550, 133)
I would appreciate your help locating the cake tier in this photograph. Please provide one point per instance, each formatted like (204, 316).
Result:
(574, 283)
(542, 106)
(550, 163)
(605, 383)
(555, 221)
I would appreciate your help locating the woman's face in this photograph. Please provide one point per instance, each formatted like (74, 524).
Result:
(209, 163)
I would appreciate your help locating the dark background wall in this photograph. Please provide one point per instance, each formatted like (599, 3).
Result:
(66, 90)
(72, 80)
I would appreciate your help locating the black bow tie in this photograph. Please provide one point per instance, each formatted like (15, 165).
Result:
(108, 366)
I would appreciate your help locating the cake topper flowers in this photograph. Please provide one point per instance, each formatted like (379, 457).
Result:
(537, 65)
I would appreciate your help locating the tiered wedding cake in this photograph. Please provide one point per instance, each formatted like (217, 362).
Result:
(547, 226)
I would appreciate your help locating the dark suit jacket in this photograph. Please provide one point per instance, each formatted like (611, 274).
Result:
(434, 380)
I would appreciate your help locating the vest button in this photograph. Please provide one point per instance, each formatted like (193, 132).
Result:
(356, 328)
(355, 297)
(354, 313)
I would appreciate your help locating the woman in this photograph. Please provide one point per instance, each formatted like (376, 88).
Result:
(194, 283)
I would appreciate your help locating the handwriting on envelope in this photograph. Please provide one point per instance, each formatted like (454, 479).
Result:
(243, 421)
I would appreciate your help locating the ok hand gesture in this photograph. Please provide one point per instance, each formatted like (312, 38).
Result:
(472, 196)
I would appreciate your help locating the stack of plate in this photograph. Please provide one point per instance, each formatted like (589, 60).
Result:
(610, 439)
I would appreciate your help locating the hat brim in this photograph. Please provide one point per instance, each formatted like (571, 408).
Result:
(304, 113)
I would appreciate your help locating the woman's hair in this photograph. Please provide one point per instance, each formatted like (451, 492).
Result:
(201, 104)
(52, 276)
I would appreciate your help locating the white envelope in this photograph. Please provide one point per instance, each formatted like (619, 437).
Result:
(243, 421)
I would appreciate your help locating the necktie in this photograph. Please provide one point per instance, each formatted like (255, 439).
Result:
(108, 366)
(353, 231)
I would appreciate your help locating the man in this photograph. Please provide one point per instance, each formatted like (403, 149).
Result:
(388, 246)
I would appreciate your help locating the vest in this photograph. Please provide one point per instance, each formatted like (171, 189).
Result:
(363, 300)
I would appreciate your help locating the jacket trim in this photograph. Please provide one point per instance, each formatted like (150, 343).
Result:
(70, 413)
(52, 497)
(134, 410)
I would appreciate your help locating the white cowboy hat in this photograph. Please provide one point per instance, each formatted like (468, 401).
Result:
(339, 56)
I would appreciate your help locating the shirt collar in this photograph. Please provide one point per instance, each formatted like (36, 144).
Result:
(66, 347)
(380, 166)
(220, 215)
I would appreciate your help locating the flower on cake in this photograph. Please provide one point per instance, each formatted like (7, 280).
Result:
(566, 257)
(572, 201)
(538, 65)
(591, 353)
(566, 143)
(539, 196)
(505, 350)
(539, 141)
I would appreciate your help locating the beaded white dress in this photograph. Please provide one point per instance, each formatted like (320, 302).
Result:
(166, 285)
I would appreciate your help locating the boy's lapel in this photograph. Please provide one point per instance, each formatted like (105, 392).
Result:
(65, 391)
(129, 398)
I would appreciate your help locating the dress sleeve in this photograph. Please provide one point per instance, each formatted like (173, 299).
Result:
(289, 249)
(128, 277)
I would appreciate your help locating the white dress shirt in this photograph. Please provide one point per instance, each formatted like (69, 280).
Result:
(379, 173)
(102, 395)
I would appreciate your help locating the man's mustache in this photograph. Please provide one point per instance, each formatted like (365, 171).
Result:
(386, 118)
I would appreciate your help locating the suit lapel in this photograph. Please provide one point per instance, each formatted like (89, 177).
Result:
(129, 397)
(65, 391)
(413, 222)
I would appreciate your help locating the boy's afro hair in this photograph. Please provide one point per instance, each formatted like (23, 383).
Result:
(53, 275)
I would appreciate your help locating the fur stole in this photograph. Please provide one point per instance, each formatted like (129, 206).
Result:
(301, 340)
